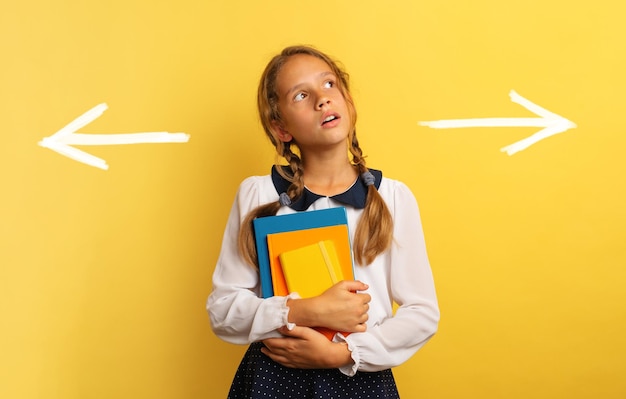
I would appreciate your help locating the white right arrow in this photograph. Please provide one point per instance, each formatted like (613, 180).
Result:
(551, 123)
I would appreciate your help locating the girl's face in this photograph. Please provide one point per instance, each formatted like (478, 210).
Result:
(314, 112)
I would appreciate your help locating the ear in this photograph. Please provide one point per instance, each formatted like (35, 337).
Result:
(280, 132)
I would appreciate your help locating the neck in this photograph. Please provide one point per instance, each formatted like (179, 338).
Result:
(328, 175)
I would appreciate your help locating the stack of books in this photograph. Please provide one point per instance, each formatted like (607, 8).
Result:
(303, 252)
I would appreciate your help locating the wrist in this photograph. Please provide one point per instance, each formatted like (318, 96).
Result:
(341, 355)
(302, 312)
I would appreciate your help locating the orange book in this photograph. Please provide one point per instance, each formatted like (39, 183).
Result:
(278, 243)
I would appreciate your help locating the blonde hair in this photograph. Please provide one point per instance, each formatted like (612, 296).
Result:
(374, 230)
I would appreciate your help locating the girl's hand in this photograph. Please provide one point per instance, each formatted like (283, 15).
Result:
(305, 348)
(339, 308)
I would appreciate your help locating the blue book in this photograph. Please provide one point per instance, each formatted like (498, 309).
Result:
(290, 222)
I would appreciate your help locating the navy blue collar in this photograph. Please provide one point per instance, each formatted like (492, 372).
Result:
(355, 196)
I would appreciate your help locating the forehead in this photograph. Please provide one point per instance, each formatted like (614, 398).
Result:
(300, 69)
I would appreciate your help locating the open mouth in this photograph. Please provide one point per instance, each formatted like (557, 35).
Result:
(330, 118)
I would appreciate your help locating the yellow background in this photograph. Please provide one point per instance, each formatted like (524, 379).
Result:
(104, 274)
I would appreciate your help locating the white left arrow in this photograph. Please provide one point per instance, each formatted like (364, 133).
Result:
(551, 123)
(62, 140)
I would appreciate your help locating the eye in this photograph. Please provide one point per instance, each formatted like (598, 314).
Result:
(329, 84)
(299, 97)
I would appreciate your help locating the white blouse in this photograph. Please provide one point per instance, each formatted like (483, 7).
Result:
(240, 315)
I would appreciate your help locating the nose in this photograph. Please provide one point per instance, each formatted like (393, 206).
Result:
(322, 100)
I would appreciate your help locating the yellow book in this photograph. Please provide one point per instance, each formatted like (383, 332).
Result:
(312, 269)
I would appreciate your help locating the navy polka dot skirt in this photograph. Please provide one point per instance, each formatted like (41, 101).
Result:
(258, 377)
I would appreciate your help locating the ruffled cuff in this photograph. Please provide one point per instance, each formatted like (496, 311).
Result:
(350, 369)
(285, 311)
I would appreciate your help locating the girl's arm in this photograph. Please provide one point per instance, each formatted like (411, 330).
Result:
(408, 281)
(237, 313)
(305, 348)
(339, 308)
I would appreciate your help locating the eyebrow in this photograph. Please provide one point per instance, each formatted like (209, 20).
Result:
(298, 85)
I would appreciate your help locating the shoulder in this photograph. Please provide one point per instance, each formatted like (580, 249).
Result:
(392, 187)
(254, 182)
(257, 190)
(396, 193)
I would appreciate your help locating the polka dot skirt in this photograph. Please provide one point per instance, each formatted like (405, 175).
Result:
(259, 377)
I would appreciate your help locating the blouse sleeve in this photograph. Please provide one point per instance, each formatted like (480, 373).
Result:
(410, 282)
(237, 313)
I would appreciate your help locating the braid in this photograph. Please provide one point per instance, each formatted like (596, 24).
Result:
(357, 154)
(375, 228)
(246, 243)
(297, 172)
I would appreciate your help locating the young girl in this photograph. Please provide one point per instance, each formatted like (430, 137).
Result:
(305, 105)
